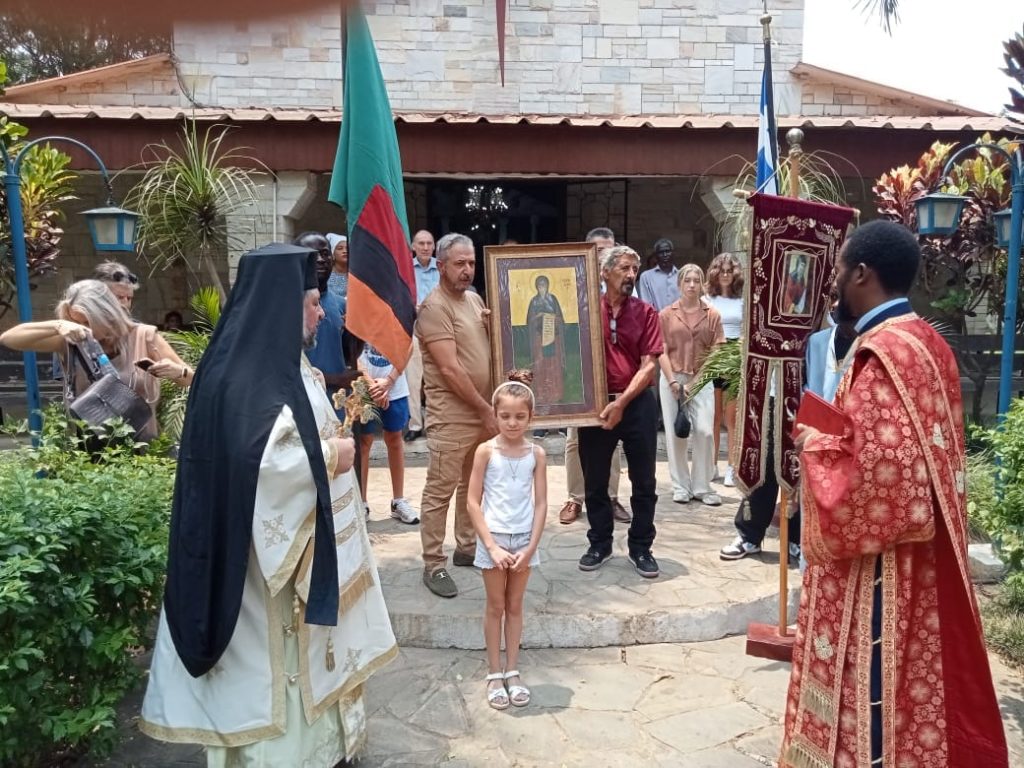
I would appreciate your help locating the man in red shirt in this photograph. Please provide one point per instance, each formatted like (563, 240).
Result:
(632, 344)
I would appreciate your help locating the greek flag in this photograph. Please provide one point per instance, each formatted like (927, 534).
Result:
(767, 135)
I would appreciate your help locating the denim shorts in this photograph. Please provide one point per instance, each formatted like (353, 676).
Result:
(510, 542)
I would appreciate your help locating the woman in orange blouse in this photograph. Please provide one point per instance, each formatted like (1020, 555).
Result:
(690, 328)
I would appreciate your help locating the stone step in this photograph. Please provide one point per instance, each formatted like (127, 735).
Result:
(697, 596)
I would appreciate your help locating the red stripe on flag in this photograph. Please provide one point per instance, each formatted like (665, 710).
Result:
(379, 219)
(375, 320)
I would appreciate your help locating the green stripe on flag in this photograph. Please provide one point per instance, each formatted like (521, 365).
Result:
(368, 147)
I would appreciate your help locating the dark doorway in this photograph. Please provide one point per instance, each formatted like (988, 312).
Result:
(494, 211)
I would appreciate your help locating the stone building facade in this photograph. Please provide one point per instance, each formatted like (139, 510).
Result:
(660, 64)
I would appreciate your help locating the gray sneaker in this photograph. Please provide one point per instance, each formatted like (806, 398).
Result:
(440, 583)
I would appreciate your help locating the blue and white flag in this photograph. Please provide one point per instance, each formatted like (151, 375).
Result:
(767, 135)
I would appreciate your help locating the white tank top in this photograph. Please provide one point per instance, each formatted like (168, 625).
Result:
(508, 492)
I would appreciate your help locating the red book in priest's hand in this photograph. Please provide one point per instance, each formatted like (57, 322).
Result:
(820, 414)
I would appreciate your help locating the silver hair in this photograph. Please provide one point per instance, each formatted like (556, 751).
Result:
(94, 300)
(612, 255)
(448, 242)
(105, 272)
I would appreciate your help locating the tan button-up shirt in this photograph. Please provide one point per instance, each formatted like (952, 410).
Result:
(689, 336)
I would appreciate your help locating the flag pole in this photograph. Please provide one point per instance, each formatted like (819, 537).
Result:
(765, 640)
(769, 88)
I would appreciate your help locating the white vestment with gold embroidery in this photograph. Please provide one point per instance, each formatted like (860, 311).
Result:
(284, 687)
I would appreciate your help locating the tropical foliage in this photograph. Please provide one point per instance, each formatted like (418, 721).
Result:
(1014, 57)
(963, 274)
(46, 183)
(83, 547)
(190, 346)
(725, 361)
(820, 180)
(186, 196)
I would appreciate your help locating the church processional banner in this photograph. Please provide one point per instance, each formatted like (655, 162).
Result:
(792, 257)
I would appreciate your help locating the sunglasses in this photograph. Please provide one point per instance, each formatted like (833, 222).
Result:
(124, 277)
(612, 326)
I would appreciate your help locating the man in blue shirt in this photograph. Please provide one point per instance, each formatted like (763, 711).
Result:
(327, 355)
(424, 265)
(659, 287)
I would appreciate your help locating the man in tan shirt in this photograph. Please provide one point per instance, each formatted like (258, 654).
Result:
(457, 382)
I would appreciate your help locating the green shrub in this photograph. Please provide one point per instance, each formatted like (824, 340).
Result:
(1003, 617)
(83, 541)
(1001, 465)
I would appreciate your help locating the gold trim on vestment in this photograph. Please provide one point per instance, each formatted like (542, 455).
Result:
(817, 700)
(890, 575)
(314, 711)
(803, 754)
(285, 570)
(343, 501)
(864, 647)
(278, 724)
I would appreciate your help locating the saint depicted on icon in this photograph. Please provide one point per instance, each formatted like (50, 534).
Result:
(547, 342)
(795, 293)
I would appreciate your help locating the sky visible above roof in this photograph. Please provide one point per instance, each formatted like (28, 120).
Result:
(941, 48)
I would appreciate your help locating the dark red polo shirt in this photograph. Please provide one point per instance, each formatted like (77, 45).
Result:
(637, 333)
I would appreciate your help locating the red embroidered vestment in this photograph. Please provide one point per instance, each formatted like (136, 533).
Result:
(891, 489)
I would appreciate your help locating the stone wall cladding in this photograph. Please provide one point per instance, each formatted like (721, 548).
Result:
(562, 57)
(839, 101)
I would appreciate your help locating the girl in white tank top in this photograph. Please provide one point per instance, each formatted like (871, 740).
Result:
(508, 503)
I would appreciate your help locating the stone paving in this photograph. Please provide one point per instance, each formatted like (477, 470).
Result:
(696, 705)
(696, 597)
(613, 682)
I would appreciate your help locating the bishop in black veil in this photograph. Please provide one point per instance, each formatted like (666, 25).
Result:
(270, 573)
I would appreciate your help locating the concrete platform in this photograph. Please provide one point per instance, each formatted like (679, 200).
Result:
(696, 597)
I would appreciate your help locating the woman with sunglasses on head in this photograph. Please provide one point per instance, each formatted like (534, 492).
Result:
(138, 353)
(122, 282)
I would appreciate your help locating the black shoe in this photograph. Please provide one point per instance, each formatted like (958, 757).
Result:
(460, 559)
(593, 559)
(413, 434)
(645, 564)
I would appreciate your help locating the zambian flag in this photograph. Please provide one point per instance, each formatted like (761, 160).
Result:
(367, 183)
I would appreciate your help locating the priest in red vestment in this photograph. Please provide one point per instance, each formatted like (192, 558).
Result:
(889, 666)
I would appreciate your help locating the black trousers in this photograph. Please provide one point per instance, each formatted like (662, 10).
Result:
(761, 503)
(639, 437)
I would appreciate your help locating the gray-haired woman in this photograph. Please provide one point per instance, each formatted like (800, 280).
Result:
(139, 354)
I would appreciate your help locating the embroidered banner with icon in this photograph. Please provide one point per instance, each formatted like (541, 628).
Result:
(792, 257)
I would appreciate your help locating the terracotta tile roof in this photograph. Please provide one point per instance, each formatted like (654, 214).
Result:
(699, 122)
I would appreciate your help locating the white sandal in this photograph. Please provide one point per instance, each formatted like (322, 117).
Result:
(497, 697)
(518, 695)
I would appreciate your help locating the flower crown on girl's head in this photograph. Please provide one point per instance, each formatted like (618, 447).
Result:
(515, 389)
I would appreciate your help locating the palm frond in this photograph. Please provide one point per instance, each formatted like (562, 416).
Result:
(171, 411)
(820, 181)
(887, 10)
(725, 361)
(187, 195)
(206, 305)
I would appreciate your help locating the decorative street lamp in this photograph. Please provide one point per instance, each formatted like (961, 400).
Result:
(939, 214)
(111, 228)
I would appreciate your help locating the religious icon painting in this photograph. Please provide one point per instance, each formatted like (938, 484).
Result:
(545, 318)
(796, 284)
